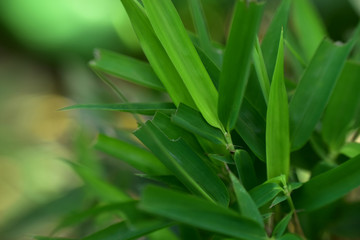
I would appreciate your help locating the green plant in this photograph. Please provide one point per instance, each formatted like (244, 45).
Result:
(243, 151)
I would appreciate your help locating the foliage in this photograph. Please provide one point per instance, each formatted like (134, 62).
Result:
(249, 149)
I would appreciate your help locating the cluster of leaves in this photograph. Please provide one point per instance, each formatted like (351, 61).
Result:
(241, 152)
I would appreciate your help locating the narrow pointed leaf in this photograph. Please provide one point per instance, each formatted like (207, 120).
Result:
(156, 54)
(251, 127)
(237, 59)
(335, 126)
(264, 193)
(315, 88)
(199, 213)
(351, 149)
(173, 36)
(308, 26)
(141, 108)
(126, 68)
(277, 122)
(246, 205)
(192, 120)
(136, 157)
(329, 186)
(184, 163)
(261, 72)
(245, 168)
(269, 44)
(280, 228)
(121, 231)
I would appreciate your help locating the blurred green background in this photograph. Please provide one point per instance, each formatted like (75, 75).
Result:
(44, 50)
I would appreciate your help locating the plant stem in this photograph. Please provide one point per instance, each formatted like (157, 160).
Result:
(298, 228)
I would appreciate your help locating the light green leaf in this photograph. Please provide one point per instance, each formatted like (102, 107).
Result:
(191, 120)
(246, 205)
(121, 231)
(136, 157)
(351, 149)
(155, 53)
(245, 168)
(141, 108)
(280, 228)
(127, 68)
(264, 193)
(184, 163)
(335, 126)
(261, 71)
(269, 44)
(277, 122)
(237, 60)
(199, 213)
(308, 26)
(329, 186)
(315, 88)
(177, 44)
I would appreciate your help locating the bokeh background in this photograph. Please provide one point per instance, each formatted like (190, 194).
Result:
(45, 47)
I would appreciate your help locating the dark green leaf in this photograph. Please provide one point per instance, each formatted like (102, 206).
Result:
(290, 236)
(184, 163)
(245, 168)
(264, 193)
(237, 60)
(173, 36)
(335, 126)
(126, 68)
(136, 157)
(269, 44)
(329, 186)
(277, 122)
(280, 228)
(246, 205)
(191, 120)
(155, 53)
(200, 213)
(141, 108)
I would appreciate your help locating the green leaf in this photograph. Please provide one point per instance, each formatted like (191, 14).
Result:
(351, 149)
(121, 231)
(264, 193)
(280, 228)
(290, 236)
(277, 200)
(192, 120)
(329, 186)
(99, 187)
(269, 44)
(127, 68)
(335, 126)
(141, 108)
(136, 157)
(261, 71)
(184, 163)
(173, 36)
(308, 26)
(251, 127)
(199, 213)
(245, 168)
(246, 205)
(315, 88)
(237, 60)
(156, 54)
(277, 122)
(51, 238)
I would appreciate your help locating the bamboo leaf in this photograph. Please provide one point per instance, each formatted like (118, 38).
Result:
(280, 228)
(136, 157)
(191, 120)
(260, 68)
(51, 238)
(246, 205)
(335, 126)
(237, 59)
(315, 88)
(329, 186)
(264, 193)
(290, 236)
(173, 36)
(269, 44)
(184, 163)
(245, 168)
(351, 149)
(277, 122)
(121, 231)
(200, 213)
(156, 54)
(141, 108)
(251, 127)
(127, 68)
(308, 27)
